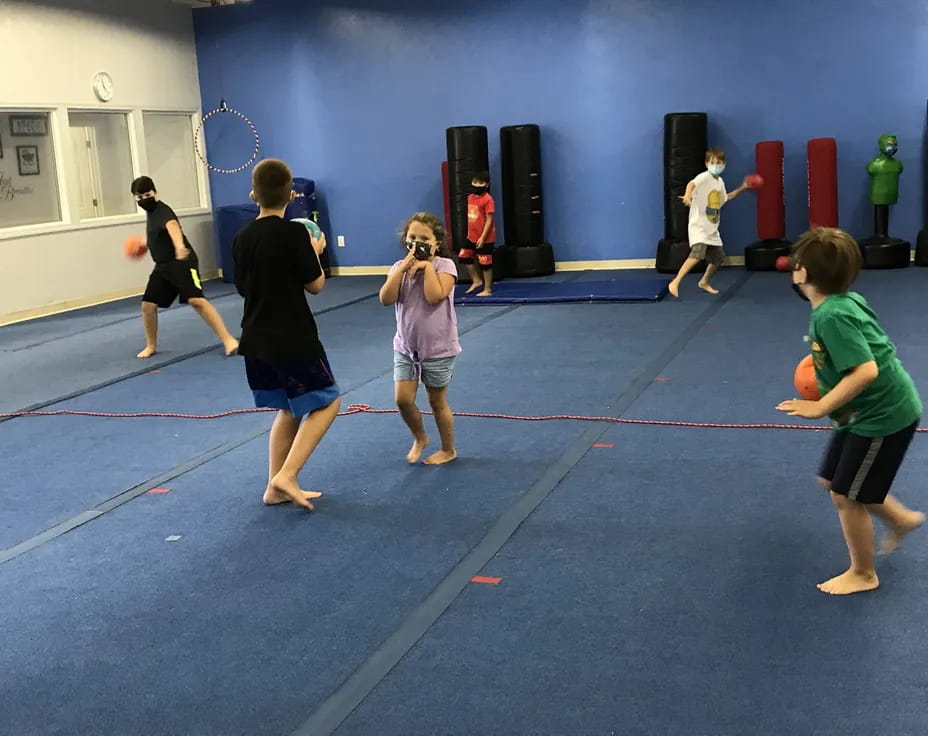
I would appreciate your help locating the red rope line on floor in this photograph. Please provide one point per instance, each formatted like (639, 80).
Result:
(367, 409)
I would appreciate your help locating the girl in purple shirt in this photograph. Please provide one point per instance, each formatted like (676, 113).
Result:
(425, 347)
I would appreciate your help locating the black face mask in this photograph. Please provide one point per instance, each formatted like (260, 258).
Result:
(148, 204)
(420, 251)
(799, 292)
(478, 190)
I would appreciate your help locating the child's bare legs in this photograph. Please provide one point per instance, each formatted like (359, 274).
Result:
(150, 325)
(438, 399)
(209, 315)
(405, 395)
(688, 265)
(899, 519)
(858, 533)
(283, 432)
(487, 282)
(286, 461)
(711, 270)
(476, 277)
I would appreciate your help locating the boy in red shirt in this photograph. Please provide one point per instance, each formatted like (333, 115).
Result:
(481, 235)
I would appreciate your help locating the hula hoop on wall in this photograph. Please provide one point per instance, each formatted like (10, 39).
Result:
(224, 108)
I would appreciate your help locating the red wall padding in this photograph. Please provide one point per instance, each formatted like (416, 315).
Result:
(771, 212)
(822, 155)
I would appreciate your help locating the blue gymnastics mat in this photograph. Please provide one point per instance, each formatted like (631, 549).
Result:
(542, 292)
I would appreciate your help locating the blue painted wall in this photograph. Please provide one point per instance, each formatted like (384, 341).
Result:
(357, 95)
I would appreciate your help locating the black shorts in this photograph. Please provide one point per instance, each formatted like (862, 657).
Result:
(172, 280)
(484, 254)
(863, 468)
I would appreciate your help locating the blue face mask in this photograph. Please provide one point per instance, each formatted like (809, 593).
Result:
(716, 169)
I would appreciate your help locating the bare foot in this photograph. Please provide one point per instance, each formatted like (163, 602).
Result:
(441, 457)
(850, 582)
(147, 352)
(288, 487)
(417, 447)
(895, 536)
(273, 497)
(231, 347)
(708, 287)
(485, 293)
(474, 287)
(674, 288)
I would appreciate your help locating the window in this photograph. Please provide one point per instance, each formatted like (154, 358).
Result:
(28, 175)
(102, 170)
(172, 162)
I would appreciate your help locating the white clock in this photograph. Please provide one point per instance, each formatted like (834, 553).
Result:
(103, 86)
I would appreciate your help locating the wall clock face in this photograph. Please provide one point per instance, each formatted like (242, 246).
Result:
(103, 86)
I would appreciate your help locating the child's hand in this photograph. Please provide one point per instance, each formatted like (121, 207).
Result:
(479, 242)
(687, 200)
(418, 266)
(408, 262)
(802, 408)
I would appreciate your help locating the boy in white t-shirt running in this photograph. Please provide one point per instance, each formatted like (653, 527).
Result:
(705, 196)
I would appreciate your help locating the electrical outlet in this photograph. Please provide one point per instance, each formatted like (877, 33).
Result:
(341, 241)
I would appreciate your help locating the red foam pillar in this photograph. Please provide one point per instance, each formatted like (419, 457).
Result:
(822, 157)
(771, 212)
(447, 197)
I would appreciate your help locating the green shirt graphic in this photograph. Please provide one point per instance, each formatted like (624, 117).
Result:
(844, 333)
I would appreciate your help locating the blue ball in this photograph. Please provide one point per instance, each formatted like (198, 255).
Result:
(313, 228)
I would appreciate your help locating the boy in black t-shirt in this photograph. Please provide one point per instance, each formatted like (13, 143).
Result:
(175, 273)
(276, 262)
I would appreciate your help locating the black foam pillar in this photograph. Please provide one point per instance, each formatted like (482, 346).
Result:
(523, 201)
(523, 204)
(467, 155)
(686, 138)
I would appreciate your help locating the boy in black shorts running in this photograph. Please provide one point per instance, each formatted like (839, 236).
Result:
(869, 396)
(276, 263)
(175, 273)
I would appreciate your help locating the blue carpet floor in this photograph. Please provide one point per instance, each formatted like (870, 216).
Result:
(34, 376)
(676, 598)
(661, 582)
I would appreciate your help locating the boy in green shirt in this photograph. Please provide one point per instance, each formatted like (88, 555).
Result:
(869, 396)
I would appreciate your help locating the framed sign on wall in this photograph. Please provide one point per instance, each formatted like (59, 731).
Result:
(28, 159)
(29, 125)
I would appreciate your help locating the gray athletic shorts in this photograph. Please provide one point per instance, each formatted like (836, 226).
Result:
(712, 254)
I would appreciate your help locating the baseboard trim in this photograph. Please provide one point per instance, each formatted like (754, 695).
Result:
(615, 265)
(360, 270)
(70, 305)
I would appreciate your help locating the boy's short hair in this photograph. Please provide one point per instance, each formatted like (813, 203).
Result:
(272, 182)
(831, 258)
(716, 153)
(143, 185)
(481, 176)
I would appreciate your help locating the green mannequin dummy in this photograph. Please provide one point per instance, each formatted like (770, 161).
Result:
(881, 250)
(884, 172)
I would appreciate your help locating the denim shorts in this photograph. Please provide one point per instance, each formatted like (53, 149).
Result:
(300, 388)
(433, 372)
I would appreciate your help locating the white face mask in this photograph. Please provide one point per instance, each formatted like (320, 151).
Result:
(716, 169)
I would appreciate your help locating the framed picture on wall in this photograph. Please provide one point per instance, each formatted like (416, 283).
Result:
(28, 158)
(28, 125)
